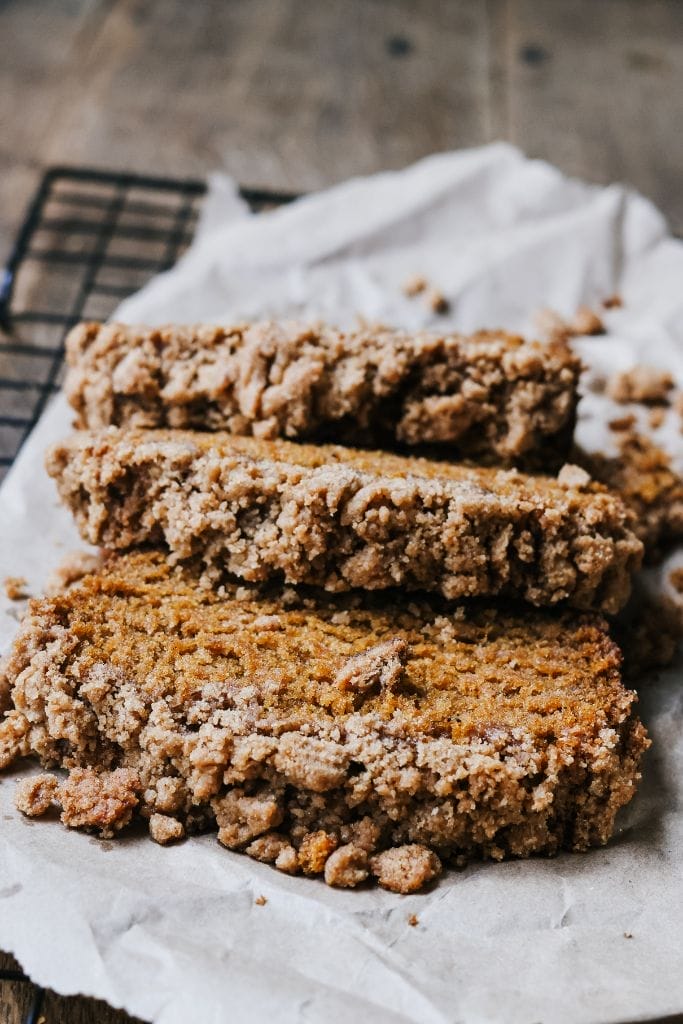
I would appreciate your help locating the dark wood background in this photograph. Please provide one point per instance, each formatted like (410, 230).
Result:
(298, 94)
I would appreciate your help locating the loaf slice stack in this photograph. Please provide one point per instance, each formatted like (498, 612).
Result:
(350, 663)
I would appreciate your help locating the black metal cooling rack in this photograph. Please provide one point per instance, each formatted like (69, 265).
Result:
(89, 239)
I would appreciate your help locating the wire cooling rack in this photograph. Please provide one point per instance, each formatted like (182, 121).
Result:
(89, 239)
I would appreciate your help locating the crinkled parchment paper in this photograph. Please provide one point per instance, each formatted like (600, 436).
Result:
(174, 935)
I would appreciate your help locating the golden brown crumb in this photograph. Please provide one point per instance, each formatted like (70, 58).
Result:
(437, 301)
(657, 417)
(555, 328)
(103, 800)
(165, 830)
(676, 579)
(347, 866)
(586, 321)
(643, 474)
(643, 384)
(405, 869)
(241, 817)
(414, 285)
(551, 326)
(15, 587)
(315, 848)
(260, 901)
(573, 476)
(413, 920)
(613, 302)
(35, 796)
(622, 423)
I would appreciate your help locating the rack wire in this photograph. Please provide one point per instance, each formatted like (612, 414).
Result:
(89, 239)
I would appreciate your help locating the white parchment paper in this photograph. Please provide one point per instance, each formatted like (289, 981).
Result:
(174, 935)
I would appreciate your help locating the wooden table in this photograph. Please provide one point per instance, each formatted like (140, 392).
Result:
(297, 94)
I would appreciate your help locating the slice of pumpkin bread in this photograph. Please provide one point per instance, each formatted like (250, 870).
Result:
(339, 518)
(491, 395)
(350, 736)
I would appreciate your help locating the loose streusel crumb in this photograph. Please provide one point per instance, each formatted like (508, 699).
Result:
(613, 302)
(508, 734)
(15, 587)
(555, 328)
(405, 869)
(415, 285)
(165, 830)
(347, 866)
(646, 385)
(437, 301)
(489, 396)
(260, 901)
(341, 518)
(586, 322)
(35, 796)
(573, 476)
(315, 848)
(413, 920)
(99, 800)
(643, 475)
(622, 424)
(656, 417)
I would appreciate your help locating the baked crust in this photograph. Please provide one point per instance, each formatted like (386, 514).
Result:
(488, 396)
(313, 730)
(339, 518)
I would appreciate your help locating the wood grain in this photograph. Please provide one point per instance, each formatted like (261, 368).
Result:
(297, 94)
(597, 88)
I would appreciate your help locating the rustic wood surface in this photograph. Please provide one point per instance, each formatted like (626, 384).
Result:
(297, 94)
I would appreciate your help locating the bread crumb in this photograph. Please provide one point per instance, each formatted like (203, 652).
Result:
(657, 417)
(622, 423)
(165, 830)
(628, 935)
(586, 321)
(414, 285)
(555, 328)
(573, 476)
(104, 800)
(315, 848)
(644, 384)
(260, 901)
(643, 474)
(437, 301)
(35, 796)
(15, 587)
(413, 920)
(613, 302)
(347, 867)
(405, 869)
(551, 326)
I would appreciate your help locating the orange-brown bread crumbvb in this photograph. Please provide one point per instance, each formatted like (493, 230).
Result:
(491, 396)
(340, 518)
(325, 734)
